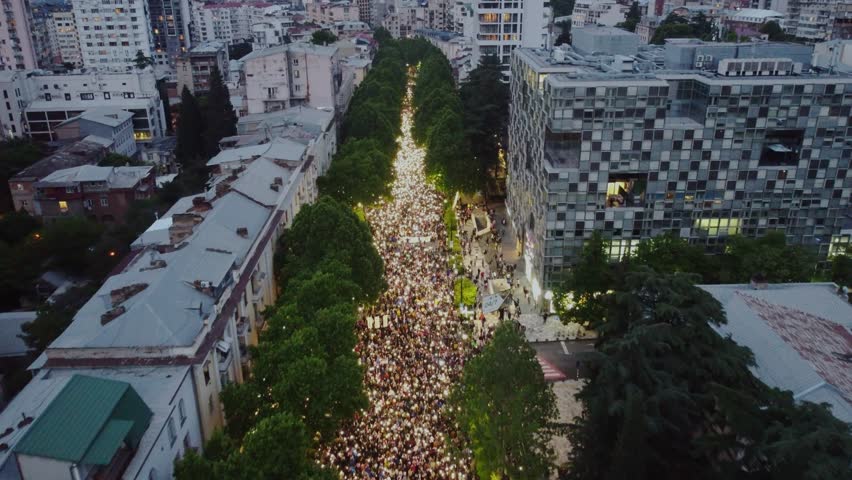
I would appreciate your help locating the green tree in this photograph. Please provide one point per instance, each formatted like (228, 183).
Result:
(841, 267)
(276, 449)
(113, 159)
(634, 15)
(141, 60)
(323, 37)
(190, 144)
(562, 8)
(448, 155)
(564, 35)
(360, 173)
(69, 244)
(15, 227)
(53, 318)
(382, 35)
(669, 253)
(769, 256)
(221, 118)
(774, 31)
(581, 296)
(346, 240)
(15, 155)
(505, 407)
(485, 103)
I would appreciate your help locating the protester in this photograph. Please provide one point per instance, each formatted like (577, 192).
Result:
(415, 356)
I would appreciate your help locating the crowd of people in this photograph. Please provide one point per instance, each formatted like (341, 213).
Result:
(417, 353)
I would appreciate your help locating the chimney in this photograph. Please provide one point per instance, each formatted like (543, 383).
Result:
(279, 181)
(243, 232)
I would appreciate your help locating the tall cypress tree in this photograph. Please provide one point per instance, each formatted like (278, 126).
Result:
(222, 121)
(190, 147)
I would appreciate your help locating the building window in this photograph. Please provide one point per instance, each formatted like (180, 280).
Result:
(297, 88)
(182, 411)
(295, 62)
(104, 202)
(47, 97)
(210, 403)
(63, 206)
(68, 97)
(172, 431)
(152, 474)
(129, 95)
(207, 373)
(715, 227)
(70, 189)
(87, 96)
(296, 73)
(626, 191)
(106, 96)
(87, 204)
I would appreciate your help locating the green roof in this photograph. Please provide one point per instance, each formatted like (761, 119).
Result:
(87, 422)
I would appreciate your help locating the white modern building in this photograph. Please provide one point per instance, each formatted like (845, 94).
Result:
(16, 38)
(816, 19)
(35, 103)
(404, 17)
(499, 28)
(295, 74)
(111, 35)
(229, 22)
(63, 33)
(270, 31)
(598, 12)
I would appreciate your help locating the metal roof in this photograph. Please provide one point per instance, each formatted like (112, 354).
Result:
(79, 423)
(796, 332)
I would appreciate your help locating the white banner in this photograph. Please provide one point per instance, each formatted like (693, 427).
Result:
(491, 303)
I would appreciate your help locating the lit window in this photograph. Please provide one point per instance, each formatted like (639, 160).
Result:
(63, 206)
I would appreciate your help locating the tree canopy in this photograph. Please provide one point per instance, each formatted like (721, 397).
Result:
(676, 26)
(323, 37)
(506, 408)
(670, 398)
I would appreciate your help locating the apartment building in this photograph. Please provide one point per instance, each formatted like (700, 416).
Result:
(34, 103)
(328, 13)
(597, 12)
(17, 51)
(404, 17)
(22, 184)
(40, 27)
(741, 142)
(817, 19)
(229, 22)
(501, 26)
(170, 29)
(194, 68)
(112, 34)
(102, 194)
(115, 422)
(295, 74)
(64, 38)
(271, 31)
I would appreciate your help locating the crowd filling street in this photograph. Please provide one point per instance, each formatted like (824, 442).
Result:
(412, 342)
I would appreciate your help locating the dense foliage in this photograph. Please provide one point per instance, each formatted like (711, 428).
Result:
(361, 172)
(676, 26)
(440, 126)
(202, 123)
(669, 398)
(506, 409)
(306, 377)
(485, 103)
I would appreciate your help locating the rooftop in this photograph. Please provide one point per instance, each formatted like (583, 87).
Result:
(112, 117)
(298, 47)
(73, 155)
(801, 337)
(603, 31)
(115, 177)
(213, 46)
(87, 422)
(156, 387)
(756, 13)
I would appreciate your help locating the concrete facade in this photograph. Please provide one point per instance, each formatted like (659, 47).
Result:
(110, 37)
(17, 51)
(701, 154)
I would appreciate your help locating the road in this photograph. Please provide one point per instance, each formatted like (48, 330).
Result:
(565, 358)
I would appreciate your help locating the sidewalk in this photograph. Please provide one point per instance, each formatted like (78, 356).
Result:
(483, 256)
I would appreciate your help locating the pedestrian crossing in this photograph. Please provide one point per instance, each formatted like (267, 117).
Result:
(551, 373)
